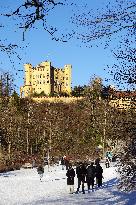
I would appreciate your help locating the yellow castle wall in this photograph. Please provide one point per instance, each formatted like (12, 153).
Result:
(57, 99)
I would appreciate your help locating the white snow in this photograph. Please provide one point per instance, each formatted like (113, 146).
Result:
(23, 187)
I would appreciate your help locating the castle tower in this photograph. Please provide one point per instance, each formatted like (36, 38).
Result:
(28, 74)
(67, 78)
(42, 78)
(26, 90)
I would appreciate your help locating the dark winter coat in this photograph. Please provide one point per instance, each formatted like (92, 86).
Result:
(97, 161)
(62, 161)
(107, 161)
(40, 170)
(66, 162)
(99, 171)
(70, 176)
(91, 171)
(81, 172)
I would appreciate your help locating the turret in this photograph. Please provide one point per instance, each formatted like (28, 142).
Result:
(28, 74)
(67, 71)
(28, 80)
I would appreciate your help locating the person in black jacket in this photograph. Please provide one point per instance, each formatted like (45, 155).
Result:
(90, 175)
(81, 174)
(62, 163)
(40, 171)
(97, 161)
(99, 172)
(70, 178)
(107, 163)
(66, 161)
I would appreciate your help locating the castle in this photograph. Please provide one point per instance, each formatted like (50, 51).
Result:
(44, 78)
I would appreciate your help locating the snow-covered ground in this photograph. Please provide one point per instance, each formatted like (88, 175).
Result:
(23, 187)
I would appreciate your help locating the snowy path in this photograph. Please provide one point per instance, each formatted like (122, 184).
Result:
(23, 187)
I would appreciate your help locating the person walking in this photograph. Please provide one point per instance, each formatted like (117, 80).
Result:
(110, 156)
(66, 162)
(52, 161)
(99, 172)
(62, 163)
(81, 174)
(97, 161)
(107, 163)
(40, 171)
(90, 176)
(70, 179)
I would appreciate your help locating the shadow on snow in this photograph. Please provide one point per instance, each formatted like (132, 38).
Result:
(100, 196)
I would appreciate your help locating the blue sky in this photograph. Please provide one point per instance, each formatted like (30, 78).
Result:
(39, 46)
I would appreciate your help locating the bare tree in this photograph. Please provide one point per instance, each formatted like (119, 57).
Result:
(113, 18)
(124, 71)
(32, 11)
(114, 25)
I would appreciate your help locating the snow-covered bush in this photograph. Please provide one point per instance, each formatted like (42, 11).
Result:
(127, 167)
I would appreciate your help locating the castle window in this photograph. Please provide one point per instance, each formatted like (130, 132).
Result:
(43, 76)
(43, 81)
(40, 82)
(66, 78)
(47, 81)
(40, 76)
(37, 82)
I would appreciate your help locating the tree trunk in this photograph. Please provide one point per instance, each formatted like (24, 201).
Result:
(27, 142)
(9, 150)
(36, 147)
(31, 149)
(104, 134)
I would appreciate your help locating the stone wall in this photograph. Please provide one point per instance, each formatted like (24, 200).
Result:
(57, 99)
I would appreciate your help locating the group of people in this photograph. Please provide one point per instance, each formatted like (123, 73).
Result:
(86, 173)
